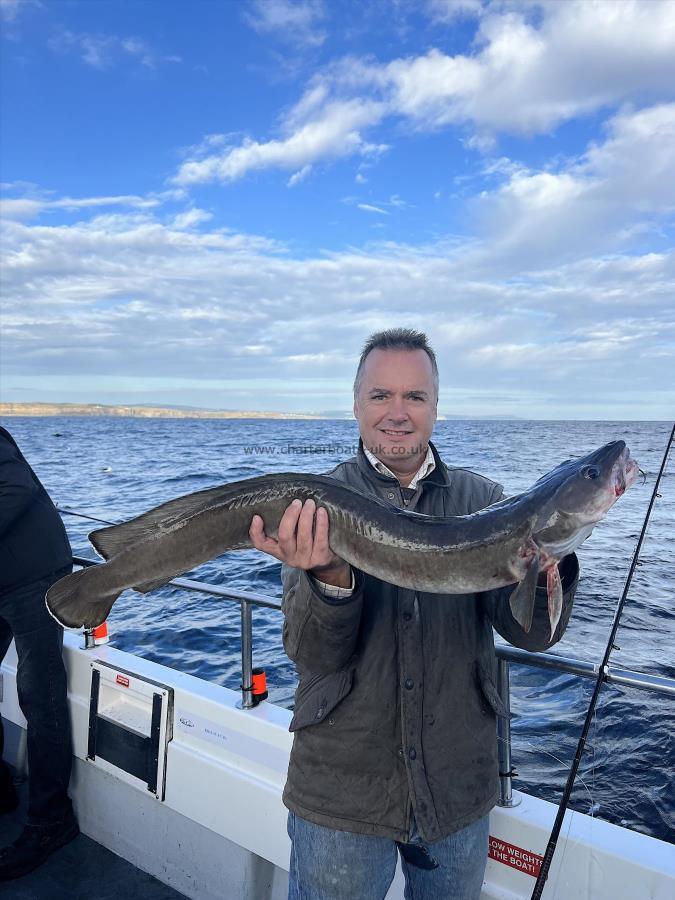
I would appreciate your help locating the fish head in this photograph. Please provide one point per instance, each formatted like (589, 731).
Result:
(593, 483)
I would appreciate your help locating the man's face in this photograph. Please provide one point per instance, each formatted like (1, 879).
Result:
(396, 407)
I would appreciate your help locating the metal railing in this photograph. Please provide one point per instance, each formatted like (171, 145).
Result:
(246, 601)
(567, 664)
(505, 656)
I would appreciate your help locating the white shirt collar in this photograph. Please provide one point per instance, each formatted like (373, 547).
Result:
(427, 466)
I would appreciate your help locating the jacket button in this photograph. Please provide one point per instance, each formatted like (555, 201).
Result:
(412, 753)
(400, 751)
(391, 495)
(406, 617)
(409, 684)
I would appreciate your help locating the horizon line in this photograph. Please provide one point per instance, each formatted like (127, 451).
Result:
(18, 408)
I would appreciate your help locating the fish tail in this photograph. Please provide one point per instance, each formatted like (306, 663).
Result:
(73, 602)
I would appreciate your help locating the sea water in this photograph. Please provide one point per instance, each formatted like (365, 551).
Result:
(116, 468)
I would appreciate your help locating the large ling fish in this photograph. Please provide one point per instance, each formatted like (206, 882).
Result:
(511, 542)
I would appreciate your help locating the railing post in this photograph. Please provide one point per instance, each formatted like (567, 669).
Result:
(93, 637)
(246, 656)
(504, 738)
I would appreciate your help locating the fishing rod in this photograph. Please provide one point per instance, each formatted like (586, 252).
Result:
(602, 673)
(72, 512)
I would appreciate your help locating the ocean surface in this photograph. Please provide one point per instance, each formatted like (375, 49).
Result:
(116, 468)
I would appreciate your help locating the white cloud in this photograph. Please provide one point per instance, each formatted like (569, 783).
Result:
(559, 285)
(615, 192)
(335, 133)
(102, 51)
(529, 75)
(449, 10)
(367, 207)
(581, 349)
(299, 176)
(139, 49)
(535, 66)
(30, 207)
(382, 207)
(96, 50)
(181, 302)
(293, 21)
(10, 9)
(191, 217)
(20, 208)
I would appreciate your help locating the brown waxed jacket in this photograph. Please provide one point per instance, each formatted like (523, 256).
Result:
(396, 705)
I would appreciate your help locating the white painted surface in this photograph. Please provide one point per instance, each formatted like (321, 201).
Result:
(126, 700)
(180, 852)
(225, 771)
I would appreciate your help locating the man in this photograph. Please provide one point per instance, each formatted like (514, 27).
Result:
(396, 706)
(34, 553)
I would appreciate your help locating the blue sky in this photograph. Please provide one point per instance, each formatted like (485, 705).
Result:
(213, 204)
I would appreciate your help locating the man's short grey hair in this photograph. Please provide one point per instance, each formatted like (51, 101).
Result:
(396, 339)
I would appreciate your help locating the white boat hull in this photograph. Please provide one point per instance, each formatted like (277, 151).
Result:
(216, 827)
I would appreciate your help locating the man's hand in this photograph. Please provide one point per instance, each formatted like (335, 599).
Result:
(303, 543)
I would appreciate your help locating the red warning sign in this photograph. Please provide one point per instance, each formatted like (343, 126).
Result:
(516, 857)
(123, 680)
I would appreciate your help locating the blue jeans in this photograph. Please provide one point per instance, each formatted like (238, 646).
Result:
(340, 865)
(41, 686)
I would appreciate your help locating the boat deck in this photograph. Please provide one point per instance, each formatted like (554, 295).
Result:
(82, 870)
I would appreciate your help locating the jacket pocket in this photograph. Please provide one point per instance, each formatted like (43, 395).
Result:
(489, 691)
(318, 695)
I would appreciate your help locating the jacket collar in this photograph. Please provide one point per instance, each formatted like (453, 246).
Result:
(439, 475)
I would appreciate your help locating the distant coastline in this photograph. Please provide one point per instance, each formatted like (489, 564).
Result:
(140, 412)
(148, 411)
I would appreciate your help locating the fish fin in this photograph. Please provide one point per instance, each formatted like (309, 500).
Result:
(555, 597)
(73, 603)
(522, 598)
(108, 542)
(152, 585)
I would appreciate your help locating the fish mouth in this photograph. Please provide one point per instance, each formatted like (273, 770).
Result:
(624, 472)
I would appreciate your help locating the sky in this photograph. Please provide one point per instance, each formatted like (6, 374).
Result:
(214, 204)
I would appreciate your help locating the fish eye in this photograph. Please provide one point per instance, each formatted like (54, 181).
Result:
(591, 472)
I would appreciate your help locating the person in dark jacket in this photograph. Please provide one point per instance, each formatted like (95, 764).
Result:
(34, 553)
(395, 712)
